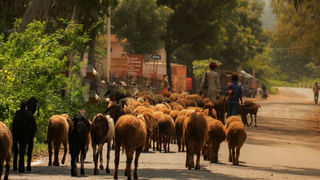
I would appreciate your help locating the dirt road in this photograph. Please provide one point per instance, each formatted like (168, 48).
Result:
(285, 145)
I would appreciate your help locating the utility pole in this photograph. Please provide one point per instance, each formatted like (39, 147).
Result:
(108, 44)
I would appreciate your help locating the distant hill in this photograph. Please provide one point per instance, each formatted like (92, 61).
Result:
(269, 19)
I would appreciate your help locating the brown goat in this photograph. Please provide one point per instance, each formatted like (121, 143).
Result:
(176, 106)
(251, 108)
(195, 137)
(163, 108)
(174, 114)
(236, 136)
(232, 119)
(5, 149)
(102, 131)
(166, 130)
(216, 136)
(152, 126)
(209, 111)
(180, 127)
(174, 96)
(130, 134)
(57, 133)
(198, 99)
(221, 107)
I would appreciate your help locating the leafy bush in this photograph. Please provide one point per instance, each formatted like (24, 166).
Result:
(33, 63)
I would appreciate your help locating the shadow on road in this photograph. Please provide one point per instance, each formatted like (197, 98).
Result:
(144, 173)
(283, 123)
(183, 174)
(291, 170)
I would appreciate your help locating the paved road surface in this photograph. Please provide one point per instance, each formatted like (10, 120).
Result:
(285, 145)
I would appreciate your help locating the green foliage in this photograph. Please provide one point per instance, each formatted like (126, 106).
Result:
(141, 23)
(34, 64)
(263, 65)
(245, 37)
(297, 37)
(202, 66)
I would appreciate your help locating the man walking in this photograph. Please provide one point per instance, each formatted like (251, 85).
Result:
(316, 92)
(210, 83)
(234, 93)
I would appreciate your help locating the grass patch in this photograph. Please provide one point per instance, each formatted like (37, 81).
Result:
(280, 83)
(39, 150)
(273, 90)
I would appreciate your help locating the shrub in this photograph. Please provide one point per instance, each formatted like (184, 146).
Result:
(36, 63)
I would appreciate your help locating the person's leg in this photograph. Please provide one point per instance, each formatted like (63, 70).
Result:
(230, 106)
(235, 109)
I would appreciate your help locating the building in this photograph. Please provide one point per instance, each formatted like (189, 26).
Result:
(127, 67)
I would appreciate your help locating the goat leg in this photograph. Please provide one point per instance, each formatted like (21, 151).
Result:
(65, 145)
(108, 157)
(230, 155)
(22, 152)
(138, 152)
(237, 156)
(7, 168)
(198, 161)
(73, 164)
(127, 171)
(116, 161)
(95, 155)
(15, 154)
(50, 153)
(30, 148)
(100, 151)
(82, 157)
(56, 154)
(234, 157)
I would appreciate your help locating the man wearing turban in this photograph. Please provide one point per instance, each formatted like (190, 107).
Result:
(210, 83)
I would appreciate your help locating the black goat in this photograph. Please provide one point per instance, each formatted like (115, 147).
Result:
(115, 93)
(33, 105)
(115, 110)
(23, 131)
(78, 137)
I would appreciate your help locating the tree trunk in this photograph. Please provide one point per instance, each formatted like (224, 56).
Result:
(5, 6)
(38, 10)
(168, 64)
(75, 13)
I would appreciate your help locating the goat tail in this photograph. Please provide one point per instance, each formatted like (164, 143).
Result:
(259, 106)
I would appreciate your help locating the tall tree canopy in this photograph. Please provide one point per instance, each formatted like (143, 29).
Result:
(245, 37)
(141, 23)
(298, 37)
(196, 24)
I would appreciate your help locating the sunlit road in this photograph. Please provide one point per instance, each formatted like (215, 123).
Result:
(285, 145)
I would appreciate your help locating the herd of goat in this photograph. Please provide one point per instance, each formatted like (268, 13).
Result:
(134, 125)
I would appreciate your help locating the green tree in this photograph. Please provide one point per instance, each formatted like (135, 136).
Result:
(141, 23)
(34, 64)
(197, 24)
(244, 33)
(297, 38)
(201, 66)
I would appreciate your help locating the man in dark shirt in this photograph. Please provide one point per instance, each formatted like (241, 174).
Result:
(316, 92)
(234, 93)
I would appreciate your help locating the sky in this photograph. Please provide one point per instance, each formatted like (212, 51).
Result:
(268, 18)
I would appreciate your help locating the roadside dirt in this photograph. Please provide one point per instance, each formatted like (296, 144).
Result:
(285, 145)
